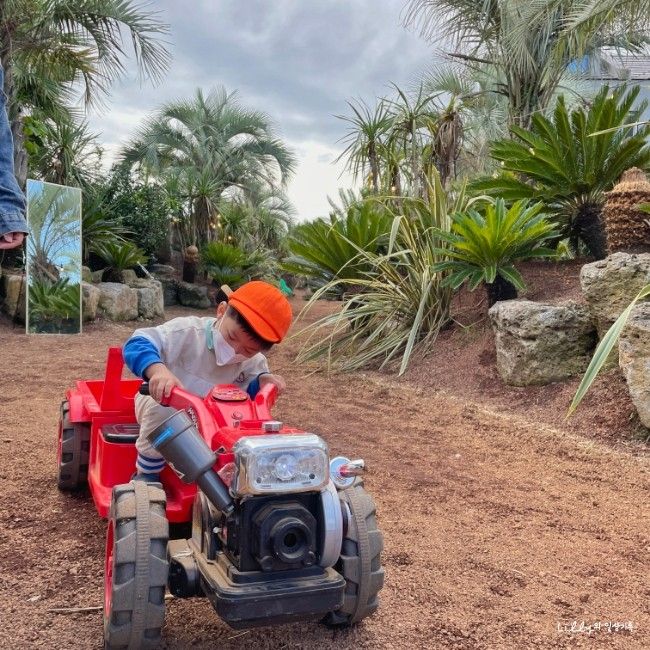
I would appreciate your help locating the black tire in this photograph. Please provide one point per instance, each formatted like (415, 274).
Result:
(73, 451)
(360, 560)
(136, 567)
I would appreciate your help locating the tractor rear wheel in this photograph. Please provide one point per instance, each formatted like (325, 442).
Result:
(73, 451)
(136, 568)
(360, 559)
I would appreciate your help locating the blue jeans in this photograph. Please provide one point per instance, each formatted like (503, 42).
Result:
(12, 200)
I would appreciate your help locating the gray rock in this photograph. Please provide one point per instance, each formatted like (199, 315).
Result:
(86, 274)
(610, 284)
(89, 300)
(14, 288)
(162, 269)
(634, 359)
(541, 344)
(170, 290)
(96, 276)
(129, 276)
(150, 297)
(118, 301)
(193, 295)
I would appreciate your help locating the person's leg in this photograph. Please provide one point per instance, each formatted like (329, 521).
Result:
(149, 415)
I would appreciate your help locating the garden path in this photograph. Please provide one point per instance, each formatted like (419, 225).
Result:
(499, 530)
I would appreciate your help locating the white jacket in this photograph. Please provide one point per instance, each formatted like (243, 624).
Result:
(186, 347)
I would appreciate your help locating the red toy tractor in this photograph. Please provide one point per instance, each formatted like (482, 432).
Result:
(279, 532)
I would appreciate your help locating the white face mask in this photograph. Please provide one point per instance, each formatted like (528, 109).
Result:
(224, 353)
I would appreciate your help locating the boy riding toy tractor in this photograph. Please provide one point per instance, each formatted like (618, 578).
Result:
(279, 532)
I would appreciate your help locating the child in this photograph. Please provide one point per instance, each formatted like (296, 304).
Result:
(197, 353)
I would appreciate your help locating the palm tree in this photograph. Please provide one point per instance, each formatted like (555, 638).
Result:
(412, 120)
(65, 153)
(530, 44)
(474, 114)
(210, 145)
(48, 46)
(365, 139)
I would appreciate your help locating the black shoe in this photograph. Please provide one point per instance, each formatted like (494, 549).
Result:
(147, 478)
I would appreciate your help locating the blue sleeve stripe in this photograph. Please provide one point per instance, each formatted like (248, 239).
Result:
(254, 385)
(139, 353)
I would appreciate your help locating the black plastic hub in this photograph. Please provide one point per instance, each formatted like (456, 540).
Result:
(274, 534)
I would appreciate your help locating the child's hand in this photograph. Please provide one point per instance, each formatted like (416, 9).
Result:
(161, 381)
(273, 379)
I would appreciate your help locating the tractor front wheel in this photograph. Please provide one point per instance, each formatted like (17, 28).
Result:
(73, 451)
(360, 559)
(136, 568)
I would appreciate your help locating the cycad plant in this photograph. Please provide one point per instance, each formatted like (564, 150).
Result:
(225, 264)
(483, 246)
(569, 161)
(51, 304)
(401, 303)
(118, 257)
(327, 250)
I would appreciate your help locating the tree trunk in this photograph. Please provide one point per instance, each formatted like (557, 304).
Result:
(374, 167)
(500, 289)
(588, 226)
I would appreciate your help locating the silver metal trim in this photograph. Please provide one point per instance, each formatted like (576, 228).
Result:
(341, 482)
(333, 519)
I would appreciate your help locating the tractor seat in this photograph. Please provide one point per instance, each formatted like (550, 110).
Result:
(122, 433)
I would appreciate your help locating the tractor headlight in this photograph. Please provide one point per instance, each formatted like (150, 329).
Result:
(280, 463)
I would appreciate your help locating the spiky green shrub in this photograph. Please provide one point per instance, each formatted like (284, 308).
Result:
(52, 303)
(326, 250)
(118, 257)
(227, 264)
(483, 246)
(402, 303)
(569, 161)
(99, 226)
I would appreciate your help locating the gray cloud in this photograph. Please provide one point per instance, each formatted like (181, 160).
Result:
(299, 61)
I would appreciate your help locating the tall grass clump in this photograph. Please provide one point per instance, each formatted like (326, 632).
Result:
(400, 302)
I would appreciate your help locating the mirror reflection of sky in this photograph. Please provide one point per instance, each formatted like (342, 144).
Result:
(54, 219)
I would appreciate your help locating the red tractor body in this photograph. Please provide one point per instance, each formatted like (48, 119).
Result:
(107, 406)
(279, 532)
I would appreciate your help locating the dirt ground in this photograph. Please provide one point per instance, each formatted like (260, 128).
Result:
(503, 523)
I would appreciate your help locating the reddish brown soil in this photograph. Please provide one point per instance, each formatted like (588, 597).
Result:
(501, 520)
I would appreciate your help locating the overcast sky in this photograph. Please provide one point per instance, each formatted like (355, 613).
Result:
(297, 60)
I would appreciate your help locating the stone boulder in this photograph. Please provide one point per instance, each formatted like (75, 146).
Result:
(118, 301)
(610, 284)
(86, 274)
(541, 344)
(89, 300)
(163, 269)
(14, 288)
(150, 298)
(129, 276)
(192, 295)
(634, 359)
(170, 290)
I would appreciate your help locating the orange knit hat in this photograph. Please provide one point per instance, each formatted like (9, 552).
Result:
(265, 309)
